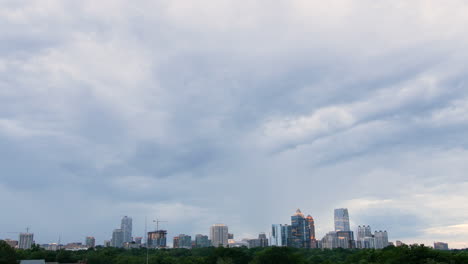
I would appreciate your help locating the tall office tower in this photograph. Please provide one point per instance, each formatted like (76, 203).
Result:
(90, 242)
(381, 239)
(441, 246)
(302, 231)
(263, 240)
(202, 241)
(342, 220)
(185, 241)
(26, 240)
(279, 235)
(175, 242)
(117, 238)
(311, 241)
(157, 239)
(126, 226)
(219, 235)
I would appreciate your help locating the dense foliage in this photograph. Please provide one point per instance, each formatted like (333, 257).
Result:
(271, 255)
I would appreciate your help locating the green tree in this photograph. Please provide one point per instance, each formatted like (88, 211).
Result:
(278, 255)
(7, 253)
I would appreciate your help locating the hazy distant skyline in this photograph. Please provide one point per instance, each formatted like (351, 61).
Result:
(235, 113)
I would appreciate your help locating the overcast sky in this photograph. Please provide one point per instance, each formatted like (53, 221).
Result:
(235, 112)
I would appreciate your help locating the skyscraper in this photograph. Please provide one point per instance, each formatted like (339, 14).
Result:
(302, 231)
(363, 231)
(157, 239)
(25, 240)
(202, 241)
(126, 226)
(117, 238)
(90, 242)
(185, 241)
(381, 239)
(279, 235)
(219, 235)
(342, 220)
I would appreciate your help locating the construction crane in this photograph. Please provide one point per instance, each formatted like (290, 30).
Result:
(27, 231)
(157, 221)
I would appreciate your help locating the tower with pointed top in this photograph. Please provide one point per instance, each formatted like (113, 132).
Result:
(302, 231)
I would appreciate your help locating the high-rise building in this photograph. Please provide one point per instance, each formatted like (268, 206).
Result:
(117, 238)
(157, 239)
(126, 226)
(302, 231)
(364, 231)
(175, 242)
(330, 240)
(219, 235)
(90, 242)
(279, 235)
(202, 241)
(261, 241)
(26, 240)
(365, 239)
(381, 239)
(311, 241)
(345, 239)
(342, 220)
(441, 246)
(185, 241)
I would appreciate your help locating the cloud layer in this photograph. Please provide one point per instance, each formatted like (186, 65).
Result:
(234, 113)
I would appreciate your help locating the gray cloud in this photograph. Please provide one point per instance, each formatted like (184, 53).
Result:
(221, 112)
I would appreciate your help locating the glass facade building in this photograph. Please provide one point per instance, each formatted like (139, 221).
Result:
(342, 220)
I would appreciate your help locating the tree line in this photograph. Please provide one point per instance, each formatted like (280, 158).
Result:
(414, 254)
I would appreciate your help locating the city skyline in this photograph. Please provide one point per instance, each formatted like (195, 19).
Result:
(300, 233)
(234, 112)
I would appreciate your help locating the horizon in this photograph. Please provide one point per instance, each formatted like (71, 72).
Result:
(231, 112)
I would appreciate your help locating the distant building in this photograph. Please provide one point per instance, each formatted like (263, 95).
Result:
(219, 235)
(302, 231)
(398, 243)
(365, 239)
(185, 241)
(117, 238)
(230, 236)
(330, 240)
(279, 235)
(138, 240)
(157, 239)
(202, 241)
(11, 243)
(345, 239)
(175, 242)
(261, 241)
(107, 243)
(342, 220)
(441, 246)
(381, 239)
(25, 240)
(126, 227)
(90, 242)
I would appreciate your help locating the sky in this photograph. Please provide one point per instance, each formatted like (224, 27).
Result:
(234, 112)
